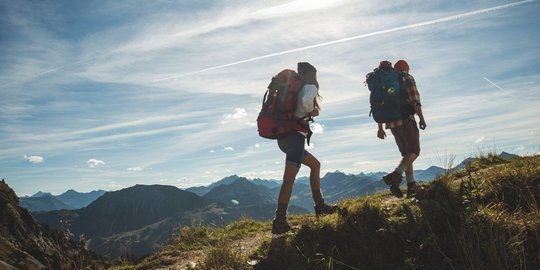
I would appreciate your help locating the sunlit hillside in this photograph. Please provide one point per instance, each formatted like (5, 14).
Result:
(485, 216)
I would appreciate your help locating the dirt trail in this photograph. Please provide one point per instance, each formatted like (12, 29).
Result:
(181, 261)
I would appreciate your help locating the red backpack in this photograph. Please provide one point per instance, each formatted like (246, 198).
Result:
(276, 118)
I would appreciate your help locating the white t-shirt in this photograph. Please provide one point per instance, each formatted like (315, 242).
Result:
(305, 103)
(306, 99)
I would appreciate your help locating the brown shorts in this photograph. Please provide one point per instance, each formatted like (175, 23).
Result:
(407, 138)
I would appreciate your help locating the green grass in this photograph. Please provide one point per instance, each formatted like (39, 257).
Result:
(472, 219)
(485, 216)
(215, 240)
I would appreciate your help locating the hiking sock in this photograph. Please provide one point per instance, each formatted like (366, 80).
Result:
(281, 211)
(402, 167)
(317, 196)
(410, 178)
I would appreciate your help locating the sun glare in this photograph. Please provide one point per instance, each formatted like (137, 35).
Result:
(297, 6)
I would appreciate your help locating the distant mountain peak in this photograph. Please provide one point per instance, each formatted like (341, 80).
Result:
(41, 194)
(336, 172)
(507, 155)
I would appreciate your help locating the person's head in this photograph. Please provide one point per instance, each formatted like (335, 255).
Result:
(402, 65)
(308, 72)
(385, 65)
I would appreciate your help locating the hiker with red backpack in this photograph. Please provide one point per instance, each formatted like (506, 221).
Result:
(394, 101)
(290, 103)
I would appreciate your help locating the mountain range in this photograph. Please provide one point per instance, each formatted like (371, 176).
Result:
(138, 219)
(71, 199)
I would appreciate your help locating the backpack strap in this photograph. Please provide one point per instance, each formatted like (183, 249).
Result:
(265, 95)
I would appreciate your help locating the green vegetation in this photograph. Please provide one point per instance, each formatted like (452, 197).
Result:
(486, 216)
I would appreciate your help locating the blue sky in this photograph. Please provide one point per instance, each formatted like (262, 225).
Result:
(109, 94)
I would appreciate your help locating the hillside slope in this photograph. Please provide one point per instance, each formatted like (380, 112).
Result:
(26, 244)
(485, 216)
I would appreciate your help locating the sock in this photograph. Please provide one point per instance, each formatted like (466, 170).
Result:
(400, 169)
(317, 196)
(281, 211)
(410, 178)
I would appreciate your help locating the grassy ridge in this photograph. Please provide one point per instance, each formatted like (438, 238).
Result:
(483, 217)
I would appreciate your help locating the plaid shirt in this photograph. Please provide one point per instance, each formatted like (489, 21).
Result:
(414, 96)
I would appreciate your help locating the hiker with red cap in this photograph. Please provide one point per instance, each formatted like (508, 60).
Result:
(394, 101)
(406, 133)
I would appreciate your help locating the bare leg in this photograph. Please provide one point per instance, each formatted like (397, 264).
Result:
(315, 173)
(288, 180)
(315, 179)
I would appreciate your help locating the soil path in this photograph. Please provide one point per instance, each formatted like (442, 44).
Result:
(181, 261)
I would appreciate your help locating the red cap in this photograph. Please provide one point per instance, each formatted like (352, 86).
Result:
(401, 65)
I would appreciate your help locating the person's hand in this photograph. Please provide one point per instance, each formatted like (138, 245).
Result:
(315, 112)
(422, 124)
(381, 134)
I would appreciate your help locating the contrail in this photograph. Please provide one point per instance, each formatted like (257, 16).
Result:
(362, 36)
(53, 70)
(494, 84)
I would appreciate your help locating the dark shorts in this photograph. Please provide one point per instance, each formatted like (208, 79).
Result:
(407, 138)
(293, 145)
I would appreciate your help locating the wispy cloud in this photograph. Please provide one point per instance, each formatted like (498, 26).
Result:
(351, 38)
(238, 113)
(178, 87)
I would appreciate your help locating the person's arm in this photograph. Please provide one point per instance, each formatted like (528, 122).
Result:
(415, 100)
(380, 132)
(418, 110)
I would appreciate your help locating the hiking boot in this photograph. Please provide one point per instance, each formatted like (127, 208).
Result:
(280, 226)
(325, 209)
(413, 188)
(393, 180)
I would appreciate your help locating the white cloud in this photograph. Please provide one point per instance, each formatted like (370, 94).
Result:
(296, 7)
(114, 186)
(228, 148)
(238, 113)
(362, 163)
(480, 139)
(135, 169)
(257, 145)
(94, 163)
(317, 128)
(34, 159)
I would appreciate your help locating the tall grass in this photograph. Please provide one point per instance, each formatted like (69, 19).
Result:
(483, 219)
